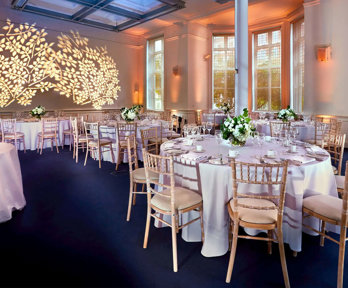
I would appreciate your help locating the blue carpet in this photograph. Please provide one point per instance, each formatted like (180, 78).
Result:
(73, 232)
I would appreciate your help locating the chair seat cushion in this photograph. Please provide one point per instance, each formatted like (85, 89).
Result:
(103, 141)
(339, 181)
(325, 205)
(255, 215)
(175, 135)
(12, 135)
(47, 135)
(139, 174)
(184, 198)
(67, 131)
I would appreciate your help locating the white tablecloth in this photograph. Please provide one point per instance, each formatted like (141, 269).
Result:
(31, 129)
(110, 132)
(306, 130)
(214, 182)
(11, 187)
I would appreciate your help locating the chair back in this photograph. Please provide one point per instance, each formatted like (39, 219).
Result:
(74, 128)
(8, 126)
(166, 129)
(163, 167)
(278, 126)
(49, 126)
(92, 129)
(125, 130)
(335, 146)
(272, 176)
(132, 153)
(335, 126)
(149, 140)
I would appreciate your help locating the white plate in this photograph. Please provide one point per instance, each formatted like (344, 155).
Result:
(218, 162)
(270, 157)
(196, 151)
(175, 152)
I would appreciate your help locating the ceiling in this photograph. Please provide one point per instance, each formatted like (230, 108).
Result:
(142, 16)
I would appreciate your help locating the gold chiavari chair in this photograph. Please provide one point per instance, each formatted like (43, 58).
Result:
(278, 127)
(96, 143)
(9, 132)
(79, 140)
(49, 131)
(333, 210)
(68, 133)
(172, 201)
(167, 131)
(136, 174)
(321, 131)
(149, 140)
(334, 144)
(258, 211)
(123, 131)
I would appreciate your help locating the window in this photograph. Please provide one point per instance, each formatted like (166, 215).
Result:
(297, 62)
(223, 69)
(154, 74)
(267, 70)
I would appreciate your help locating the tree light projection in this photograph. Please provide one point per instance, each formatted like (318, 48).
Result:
(88, 75)
(27, 64)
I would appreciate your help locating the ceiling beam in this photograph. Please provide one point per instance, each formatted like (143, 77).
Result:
(19, 4)
(176, 3)
(84, 12)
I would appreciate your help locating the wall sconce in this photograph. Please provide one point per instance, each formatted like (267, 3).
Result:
(324, 53)
(206, 57)
(136, 93)
(176, 70)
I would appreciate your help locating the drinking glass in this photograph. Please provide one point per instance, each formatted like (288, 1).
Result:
(204, 128)
(209, 126)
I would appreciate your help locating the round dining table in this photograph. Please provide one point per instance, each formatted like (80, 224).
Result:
(31, 129)
(11, 186)
(305, 129)
(309, 173)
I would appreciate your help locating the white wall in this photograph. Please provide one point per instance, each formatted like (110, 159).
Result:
(326, 84)
(125, 49)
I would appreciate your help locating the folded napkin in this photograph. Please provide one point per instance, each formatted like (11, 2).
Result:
(315, 150)
(301, 159)
(194, 156)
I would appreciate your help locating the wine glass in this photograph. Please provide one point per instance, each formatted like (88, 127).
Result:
(204, 128)
(209, 126)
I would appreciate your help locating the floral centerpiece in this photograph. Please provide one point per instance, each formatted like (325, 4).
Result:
(225, 107)
(237, 129)
(287, 114)
(129, 114)
(38, 112)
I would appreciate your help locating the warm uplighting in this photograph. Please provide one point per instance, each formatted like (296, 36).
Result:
(27, 64)
(323, 53)
(89, 75)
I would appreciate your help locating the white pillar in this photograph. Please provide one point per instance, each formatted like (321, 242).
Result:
(242, 48)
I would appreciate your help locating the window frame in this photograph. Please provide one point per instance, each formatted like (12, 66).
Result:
(151, 99)
(225, 49)
(253, 70)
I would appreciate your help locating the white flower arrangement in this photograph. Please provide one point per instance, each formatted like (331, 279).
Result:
(287, 114)
(38, 112)
(237, 129)
(129, 114)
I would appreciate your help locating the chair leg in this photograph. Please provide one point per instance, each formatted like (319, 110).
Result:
(86, 155)
(147, 226)
(42, 141)
(51, 144)
(112, 154)
(56, 140)
(269, 232)
(341, 254)
(24, 145)
(282, 259)
(63, 141)
(322, 238)
(233, 252)
(70, 140)
(99, 155)
(130, 199)
(77, 152)
(174, 244)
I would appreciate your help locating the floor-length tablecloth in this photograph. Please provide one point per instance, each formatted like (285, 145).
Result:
(11, 187)
(214, 182)
(31, 130)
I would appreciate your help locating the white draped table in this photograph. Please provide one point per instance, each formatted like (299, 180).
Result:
(214, 182)
(11, 187)
(32, 128)
(305, 129)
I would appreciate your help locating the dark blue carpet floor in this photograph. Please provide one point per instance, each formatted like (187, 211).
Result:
(73, 232)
